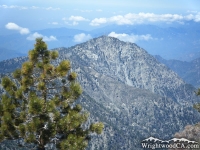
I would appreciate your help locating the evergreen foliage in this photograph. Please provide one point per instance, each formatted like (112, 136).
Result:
(197, 106)
(38, 104)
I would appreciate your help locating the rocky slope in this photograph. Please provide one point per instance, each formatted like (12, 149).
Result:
(128, 63)
(129, 90)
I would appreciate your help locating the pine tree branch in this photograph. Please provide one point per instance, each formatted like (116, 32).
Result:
(24, 97)
(52, 78)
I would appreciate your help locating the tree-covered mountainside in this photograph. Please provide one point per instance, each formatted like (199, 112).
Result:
(129, 90)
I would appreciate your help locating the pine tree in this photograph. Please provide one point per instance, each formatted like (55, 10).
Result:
(39, 106)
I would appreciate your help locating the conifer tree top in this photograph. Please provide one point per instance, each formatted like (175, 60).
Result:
(39, 103)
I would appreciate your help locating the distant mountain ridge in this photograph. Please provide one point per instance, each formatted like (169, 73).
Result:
(19, 43)
(171, 42)
(189, 71)
(8, 54)
(129, 90)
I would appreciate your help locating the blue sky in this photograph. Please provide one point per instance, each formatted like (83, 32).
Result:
(90, 14)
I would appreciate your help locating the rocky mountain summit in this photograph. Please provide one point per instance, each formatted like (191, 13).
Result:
(129, 90)
(129, 64)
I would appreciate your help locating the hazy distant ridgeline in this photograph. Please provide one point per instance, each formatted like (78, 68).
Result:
(178, 42)
(188, 71)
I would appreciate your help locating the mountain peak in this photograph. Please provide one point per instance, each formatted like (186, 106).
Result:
(128, 63)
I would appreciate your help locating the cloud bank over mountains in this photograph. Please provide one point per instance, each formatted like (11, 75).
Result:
(26, 7)
(82, 37)
(35, 35)
(132, 18)
(95, 17)
(88, 15)
(74, 19)
(14, 26)
(131, 37)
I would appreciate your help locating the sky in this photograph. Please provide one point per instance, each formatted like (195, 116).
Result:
(27, 15)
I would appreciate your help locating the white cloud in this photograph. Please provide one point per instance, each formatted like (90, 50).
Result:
(35, 35)
(13, 6)
(6, 6)
(24, 31)
(51, 8)
(98, 21)
(120, 20)
(132, 37)
(197, 17)
(24, 7)
(82, 37)
(34, 7)
(75, 20)
(139, 18)
(13, 26)
(85, 11)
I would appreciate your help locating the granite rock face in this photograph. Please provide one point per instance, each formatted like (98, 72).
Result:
(130, 64)
(129, 90)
